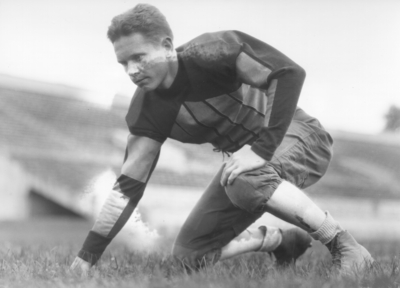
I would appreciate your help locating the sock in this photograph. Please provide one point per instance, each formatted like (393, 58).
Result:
(327, 231)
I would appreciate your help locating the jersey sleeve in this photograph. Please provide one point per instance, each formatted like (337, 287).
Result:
(140, 160)
(143, 119)
(262, 66)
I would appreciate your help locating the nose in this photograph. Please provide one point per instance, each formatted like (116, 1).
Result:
(132, 68)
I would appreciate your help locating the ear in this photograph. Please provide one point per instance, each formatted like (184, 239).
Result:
(168, 44)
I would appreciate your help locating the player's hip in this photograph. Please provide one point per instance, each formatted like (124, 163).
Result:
(305, 152)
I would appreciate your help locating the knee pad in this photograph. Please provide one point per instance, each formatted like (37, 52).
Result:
(251, 190)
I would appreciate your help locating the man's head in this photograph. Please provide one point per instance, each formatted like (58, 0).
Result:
(143, 44)
(144, 19)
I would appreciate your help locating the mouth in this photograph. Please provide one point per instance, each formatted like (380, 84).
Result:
(139, 81)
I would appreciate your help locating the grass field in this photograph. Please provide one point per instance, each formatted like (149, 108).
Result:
(38, 254)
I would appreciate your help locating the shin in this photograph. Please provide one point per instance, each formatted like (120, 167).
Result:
(267, 238)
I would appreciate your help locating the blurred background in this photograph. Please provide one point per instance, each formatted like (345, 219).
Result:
(63, 99)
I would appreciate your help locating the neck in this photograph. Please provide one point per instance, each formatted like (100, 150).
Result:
(173, 71)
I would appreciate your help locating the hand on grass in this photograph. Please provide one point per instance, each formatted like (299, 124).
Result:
(241, 161)
(80, 266)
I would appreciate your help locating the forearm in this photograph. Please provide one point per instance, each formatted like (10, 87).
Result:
(141, 158)
(113, 216)
(283, 96)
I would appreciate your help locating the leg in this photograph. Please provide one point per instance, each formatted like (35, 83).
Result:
(303, 165)
(302, 159)
(263, 238)
(215, 229)
(211, 225)
(291, 204)
(221, 215)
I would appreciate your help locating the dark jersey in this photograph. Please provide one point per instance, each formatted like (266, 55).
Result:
(230, 90)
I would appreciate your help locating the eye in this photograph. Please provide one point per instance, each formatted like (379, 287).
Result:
(138, 58)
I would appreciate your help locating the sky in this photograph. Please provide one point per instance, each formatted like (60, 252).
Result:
(350, 49)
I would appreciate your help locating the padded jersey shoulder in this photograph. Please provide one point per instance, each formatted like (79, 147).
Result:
(151, 115)
(210, 62)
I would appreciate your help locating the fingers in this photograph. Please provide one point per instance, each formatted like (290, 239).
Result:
(240, 163)
(81, 266)
(230, 172)
(224, 175)
(235, 173)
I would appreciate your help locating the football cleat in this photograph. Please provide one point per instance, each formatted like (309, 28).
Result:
(347, 255)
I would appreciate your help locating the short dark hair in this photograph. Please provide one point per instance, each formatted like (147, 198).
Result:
(143, 18)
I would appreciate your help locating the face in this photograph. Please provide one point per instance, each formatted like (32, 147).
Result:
(145, 62)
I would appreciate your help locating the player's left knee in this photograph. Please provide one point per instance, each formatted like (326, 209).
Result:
(192, 259)
(251, 191)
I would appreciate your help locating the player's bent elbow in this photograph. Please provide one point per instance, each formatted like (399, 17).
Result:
(299, 72)
(295, 72)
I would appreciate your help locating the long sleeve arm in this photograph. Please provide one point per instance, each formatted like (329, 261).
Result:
(140, 160)
(262, 66)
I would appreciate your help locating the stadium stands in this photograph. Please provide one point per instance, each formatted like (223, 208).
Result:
(63, 142)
